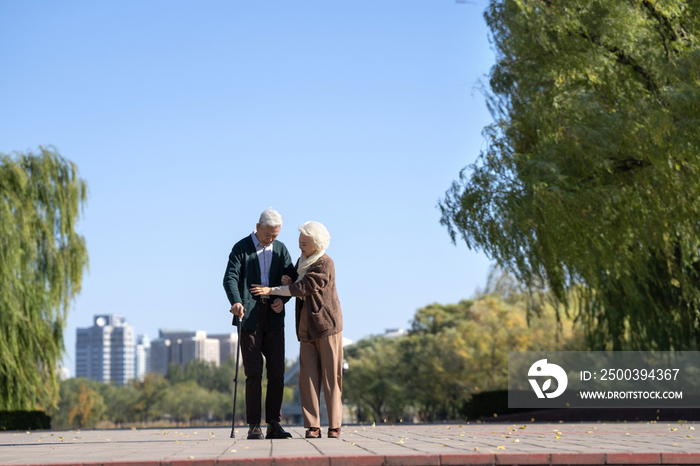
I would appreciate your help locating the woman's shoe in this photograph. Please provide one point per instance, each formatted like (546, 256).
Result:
(334, 433)
(313, 432)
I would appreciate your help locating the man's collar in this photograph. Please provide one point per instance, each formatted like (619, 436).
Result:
(257, 242)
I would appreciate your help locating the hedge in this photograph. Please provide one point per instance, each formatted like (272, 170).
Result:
(24, 420)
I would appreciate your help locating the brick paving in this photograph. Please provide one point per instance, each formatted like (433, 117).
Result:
(400, 444)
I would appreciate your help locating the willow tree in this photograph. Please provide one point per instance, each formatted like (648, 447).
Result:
(589, 185)
(42, 259)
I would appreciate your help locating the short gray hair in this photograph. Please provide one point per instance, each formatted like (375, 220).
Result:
(270, 217)
(318, 234)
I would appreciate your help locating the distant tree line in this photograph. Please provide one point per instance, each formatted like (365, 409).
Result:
(451, 352)
(199, 392)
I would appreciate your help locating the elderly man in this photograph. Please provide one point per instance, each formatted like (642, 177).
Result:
(260, 259)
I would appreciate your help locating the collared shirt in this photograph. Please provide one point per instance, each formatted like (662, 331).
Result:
(264, 259)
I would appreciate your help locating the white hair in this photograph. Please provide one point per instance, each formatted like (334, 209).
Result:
(270, 217)
(318, 234)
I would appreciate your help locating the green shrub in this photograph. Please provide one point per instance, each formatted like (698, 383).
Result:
(24, 420)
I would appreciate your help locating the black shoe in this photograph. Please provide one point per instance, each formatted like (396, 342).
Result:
(255, 432)
(275, 430)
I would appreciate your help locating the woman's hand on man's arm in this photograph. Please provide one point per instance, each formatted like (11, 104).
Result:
(258, 290)
(310, 284)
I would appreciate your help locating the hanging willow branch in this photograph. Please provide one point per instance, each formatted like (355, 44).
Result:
(42, 260)
(590, 182)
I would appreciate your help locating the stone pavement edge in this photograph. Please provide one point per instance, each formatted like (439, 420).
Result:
(400, 444)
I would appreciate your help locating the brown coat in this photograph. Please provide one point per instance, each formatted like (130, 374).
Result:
(323, 307)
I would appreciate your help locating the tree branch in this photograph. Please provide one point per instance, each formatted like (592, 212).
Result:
(623, 58)
(663, 20)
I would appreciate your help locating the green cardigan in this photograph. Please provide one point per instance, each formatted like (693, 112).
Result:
(243, 270)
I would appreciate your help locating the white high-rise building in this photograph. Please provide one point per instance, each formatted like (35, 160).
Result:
(105, 351)
(143, 357)
(227, 346)
(181, 347)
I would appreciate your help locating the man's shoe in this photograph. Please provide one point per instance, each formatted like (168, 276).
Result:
(275, 430)
(313, 432)
(255, 432)
(334, 433)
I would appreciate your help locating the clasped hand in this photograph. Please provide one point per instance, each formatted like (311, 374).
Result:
(258, 290)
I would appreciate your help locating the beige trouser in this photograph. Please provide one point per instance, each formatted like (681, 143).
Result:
(321, 361)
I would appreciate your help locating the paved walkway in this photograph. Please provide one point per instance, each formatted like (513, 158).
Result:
(420, 444)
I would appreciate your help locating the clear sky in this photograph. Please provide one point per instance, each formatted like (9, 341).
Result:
(188, 119)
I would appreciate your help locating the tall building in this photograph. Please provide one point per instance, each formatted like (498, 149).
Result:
(105, 351)
(161, 352)
(181, 347)
(227, 346)
(143, 357)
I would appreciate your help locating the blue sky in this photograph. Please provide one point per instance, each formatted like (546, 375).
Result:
(188, 119)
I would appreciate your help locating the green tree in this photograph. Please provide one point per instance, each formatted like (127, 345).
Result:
(120, 402)
(80, 405)
(451, 352)
(152, 391)
(217, 383)
(222, 405)
(223, 378)
(82, 413)
(186, 401)
(41, 266)
(589, 185)
(373, 384)
(455, 350)
(206, 374)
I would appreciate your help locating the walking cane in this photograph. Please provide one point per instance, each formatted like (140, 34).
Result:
(237, 323)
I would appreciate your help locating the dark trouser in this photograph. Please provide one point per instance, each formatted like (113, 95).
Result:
(255, 345)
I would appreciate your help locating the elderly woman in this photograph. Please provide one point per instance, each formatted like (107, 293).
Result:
(319, 323)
